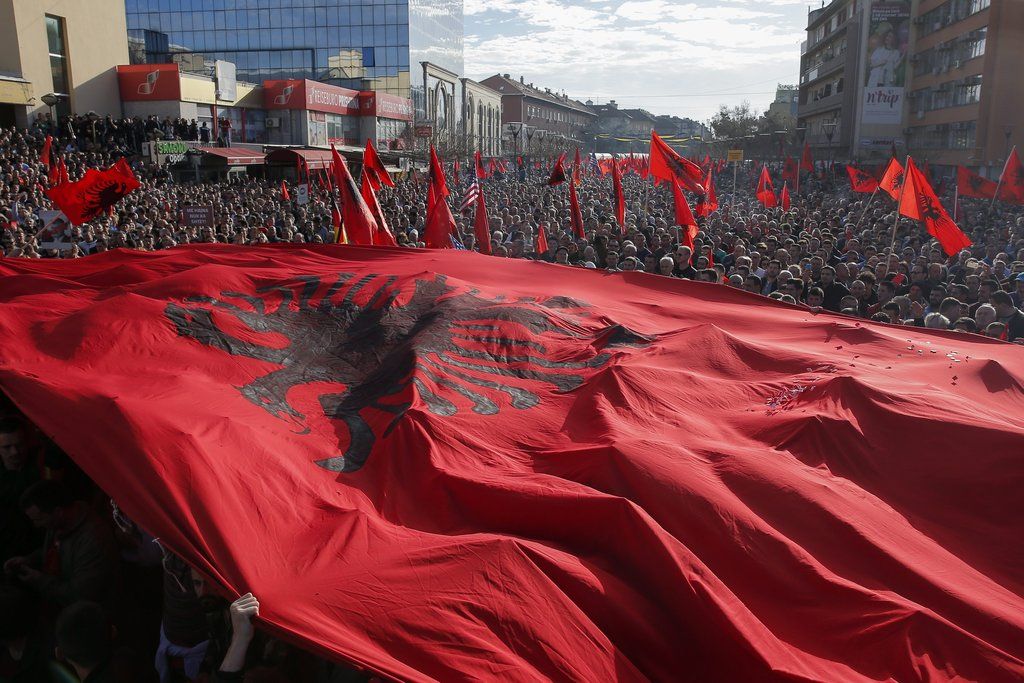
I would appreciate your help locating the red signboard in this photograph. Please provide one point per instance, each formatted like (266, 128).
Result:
(309, 95)
(385, 106)
(149, 82)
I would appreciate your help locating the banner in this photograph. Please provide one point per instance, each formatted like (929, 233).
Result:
(443, 466)
(886, 62)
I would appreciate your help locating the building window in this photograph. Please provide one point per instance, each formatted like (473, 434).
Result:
(57, 46)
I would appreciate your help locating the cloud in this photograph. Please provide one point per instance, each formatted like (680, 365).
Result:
(661, 55)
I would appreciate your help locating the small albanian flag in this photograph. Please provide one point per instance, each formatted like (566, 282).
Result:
(919, 201)
(558, 172)
(861, 181)
(765, 191)
(892, 179)
(1011, 182)
(95, 193)
(285, 197)
(970, 184)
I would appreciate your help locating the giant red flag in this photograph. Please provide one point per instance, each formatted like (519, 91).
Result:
(372, 161)
(620, 197)
(440, 223)
(360, 225)
(439, 466)
(861, 181)
(765, 192)
(1011, 181)
(919, 201)
(665, 163)
(97, 191)
(970, 184)
(892, 179)
(575, 215)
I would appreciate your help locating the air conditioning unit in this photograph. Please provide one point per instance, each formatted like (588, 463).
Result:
(272, 122)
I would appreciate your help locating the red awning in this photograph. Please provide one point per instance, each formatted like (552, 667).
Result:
(236, 156)
(315, 158)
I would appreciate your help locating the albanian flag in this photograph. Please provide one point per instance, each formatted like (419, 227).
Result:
(620, 197)
(784, 196)
(575, 215)
(380, 175)
(666, 164)
(683, 216)
(481, 223)
(918, 201)
(285, 197)
(557, 172)
(970, 184)
(440, 224)
(382, 235)
(1011, 181)
(707, 203)
(360, 224)
(791, 171)
(96, 192)
(892, 179)
(481, 172)
(441, 466)
(806, 161)
(861, 181)
(765, 192)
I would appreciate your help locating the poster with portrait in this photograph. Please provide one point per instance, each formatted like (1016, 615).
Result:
(885, 61)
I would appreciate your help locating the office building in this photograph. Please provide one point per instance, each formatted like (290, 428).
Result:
(61, 52)
(967, 99)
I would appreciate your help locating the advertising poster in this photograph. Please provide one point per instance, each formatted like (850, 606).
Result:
(886, 62)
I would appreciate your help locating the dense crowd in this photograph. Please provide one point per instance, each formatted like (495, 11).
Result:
(85, 591)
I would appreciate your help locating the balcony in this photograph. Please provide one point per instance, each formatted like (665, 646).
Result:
(834, 101)
(824, 69)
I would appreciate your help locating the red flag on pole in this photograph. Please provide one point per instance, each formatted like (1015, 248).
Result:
(382, 236)
(620, 197)
(861, 181)
(481, 172)
(95, 193)
(892, 179)
(557, 172)
(417, 452)
(44, 155)
(919, 201)
(360, 226)
(576, 167)
(684, 217)
(791, 171)
(708, 202)
(285, 197)
(1011, 181)
(371, 160)
(437, 233)
(481, 223)
(542, 241)
(765, 191)
(575, 215)
(784, 196)
(970, 184)
(806, 162)
(666, 164)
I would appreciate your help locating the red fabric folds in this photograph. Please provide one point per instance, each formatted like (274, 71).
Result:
(95, 193)
(919, 201)
(443, 466)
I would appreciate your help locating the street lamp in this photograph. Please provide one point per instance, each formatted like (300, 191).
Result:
(830, 130)
(530, 132)
(1008, 132)
(51, 100)
(515, 128)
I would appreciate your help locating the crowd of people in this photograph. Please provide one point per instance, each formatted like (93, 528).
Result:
(86, 592)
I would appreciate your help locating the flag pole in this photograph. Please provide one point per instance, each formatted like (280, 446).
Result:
(896, 221)
(868, 206)
(956, 199)
(999, 184)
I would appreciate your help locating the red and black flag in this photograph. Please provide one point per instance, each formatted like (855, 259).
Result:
(478, 161)
(575, 215)
(765, 191)
(443, 466)
(372, 162)
(806, 161)
(970, 184)
(784, 196)
(557, 172)
(684, 217)
(95, 193)
(861, 181)
(919, 201)
(360, 225)
(1011, 181)
(892, 179)
(665, 163)
(440, 225)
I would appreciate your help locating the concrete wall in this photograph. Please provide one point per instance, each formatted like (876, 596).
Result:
(96, 41)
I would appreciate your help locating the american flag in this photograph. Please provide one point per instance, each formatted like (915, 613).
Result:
(472, 192)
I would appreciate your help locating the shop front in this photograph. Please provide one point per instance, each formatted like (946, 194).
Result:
(386, 119)
(304, 112)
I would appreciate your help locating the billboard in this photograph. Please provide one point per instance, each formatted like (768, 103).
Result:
(149, 82)
(310, 95)
(385, 106)
(227, 82)
(885, 70)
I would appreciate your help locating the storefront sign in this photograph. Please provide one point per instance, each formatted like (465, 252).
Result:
(310, 95)
(302, 194)
(424, 131)
(149, 82)
(196, 216)
(385, 106)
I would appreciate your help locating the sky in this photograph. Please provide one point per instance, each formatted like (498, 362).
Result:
(669, 57)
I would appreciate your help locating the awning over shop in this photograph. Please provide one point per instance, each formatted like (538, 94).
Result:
(232, 156)
(314, 159)
(15, 91)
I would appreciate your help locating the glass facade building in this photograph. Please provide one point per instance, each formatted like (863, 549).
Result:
(358, 44)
